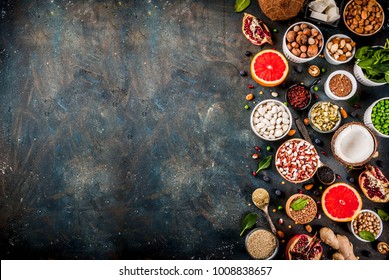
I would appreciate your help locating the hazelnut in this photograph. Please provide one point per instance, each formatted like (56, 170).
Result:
(312, 50)
(290, 36)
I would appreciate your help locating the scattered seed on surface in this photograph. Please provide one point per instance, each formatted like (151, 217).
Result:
(247, 107)
(306, 121)
(308, 228)
(266, 178)
(249, 96)
(280, 221)
(250, 86)
(308, 187)
(255, 156)
(278, 192)
(279, 207)
(353, 114)
(274, 94)
(257, 148)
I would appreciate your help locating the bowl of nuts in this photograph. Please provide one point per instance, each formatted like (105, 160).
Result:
(271, 120)
(367, 226)
(324, 117)
(339, 49)
(302, 42)
(363, 17)
(340, 85)
(297, 160)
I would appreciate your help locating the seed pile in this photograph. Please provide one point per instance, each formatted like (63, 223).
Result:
(305, 215)
(296, 160)
(366, 221)
(261, 244)
(324, 116)
(271, 120)
(340, 85)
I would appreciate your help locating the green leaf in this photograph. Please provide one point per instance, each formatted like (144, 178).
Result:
(240, 5)
(383, 215)
(265, 163)
(299, 204)
(367, 235)
(248, 222)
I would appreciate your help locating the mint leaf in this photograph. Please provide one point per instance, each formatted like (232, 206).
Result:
(383, 215)
(248, 222)
(265, 163)
(299, 204)
(367, 235)
(240, 5)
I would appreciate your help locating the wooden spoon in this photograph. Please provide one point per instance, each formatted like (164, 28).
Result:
(261, 199)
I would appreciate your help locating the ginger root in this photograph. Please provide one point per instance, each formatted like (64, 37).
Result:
(338, 242)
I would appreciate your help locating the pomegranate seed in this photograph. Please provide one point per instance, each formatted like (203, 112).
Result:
(318, 216)
(300, 191)
(338, 176)
(257, 148)
(357, 106)
(250, 86)
(280, 221)
(324, 153)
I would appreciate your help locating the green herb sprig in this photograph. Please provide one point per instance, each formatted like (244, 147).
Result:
(299, 204)
(265, 163)
(383, 215)
(241, 5)
(367, 235)
(248, 222)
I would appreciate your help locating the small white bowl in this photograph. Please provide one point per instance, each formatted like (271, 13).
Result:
(332, 96)
(252, 119)
(329, 57)
(350, 227)
(367, 118)
(362, 78)
(290, 55)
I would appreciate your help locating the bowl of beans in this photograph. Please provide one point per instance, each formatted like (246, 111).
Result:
(302, 42)
(367, 226)
(363, 17)
(299, 96)
(340, 85)
(376, 117)
(324, 116)
(271, 120)
(297, 160)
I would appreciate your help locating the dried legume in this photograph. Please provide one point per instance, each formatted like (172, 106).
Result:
(366, 221)
(298, 96)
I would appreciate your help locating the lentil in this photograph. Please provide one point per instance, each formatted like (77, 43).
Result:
(340, 85)
(380, 116)
(366, 221)
(261, 244)
(324, 116)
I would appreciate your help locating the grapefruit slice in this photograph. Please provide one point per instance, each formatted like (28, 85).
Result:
(269, 68)
(341, 202)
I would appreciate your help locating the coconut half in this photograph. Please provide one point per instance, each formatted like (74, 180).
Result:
(353, 144)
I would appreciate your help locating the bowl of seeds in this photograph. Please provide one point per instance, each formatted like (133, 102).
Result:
(340, 85)
(376, 117)
(301, 208)
(262, 244)
(367, 226)
(324, 117)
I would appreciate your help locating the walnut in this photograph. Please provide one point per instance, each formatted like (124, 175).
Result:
(281, 9)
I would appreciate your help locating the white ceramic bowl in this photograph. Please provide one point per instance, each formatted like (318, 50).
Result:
(291, 56)
(315, 127)
(253, 116)
(367, 119)
(332, 96)
(332, 60)
(350, 227)
(358, 73)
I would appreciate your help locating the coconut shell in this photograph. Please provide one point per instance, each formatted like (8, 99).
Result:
(281, 9)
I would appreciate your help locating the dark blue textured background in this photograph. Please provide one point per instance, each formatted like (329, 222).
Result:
(123, 133)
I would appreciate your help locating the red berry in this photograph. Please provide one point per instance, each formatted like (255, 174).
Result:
(250, 86)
